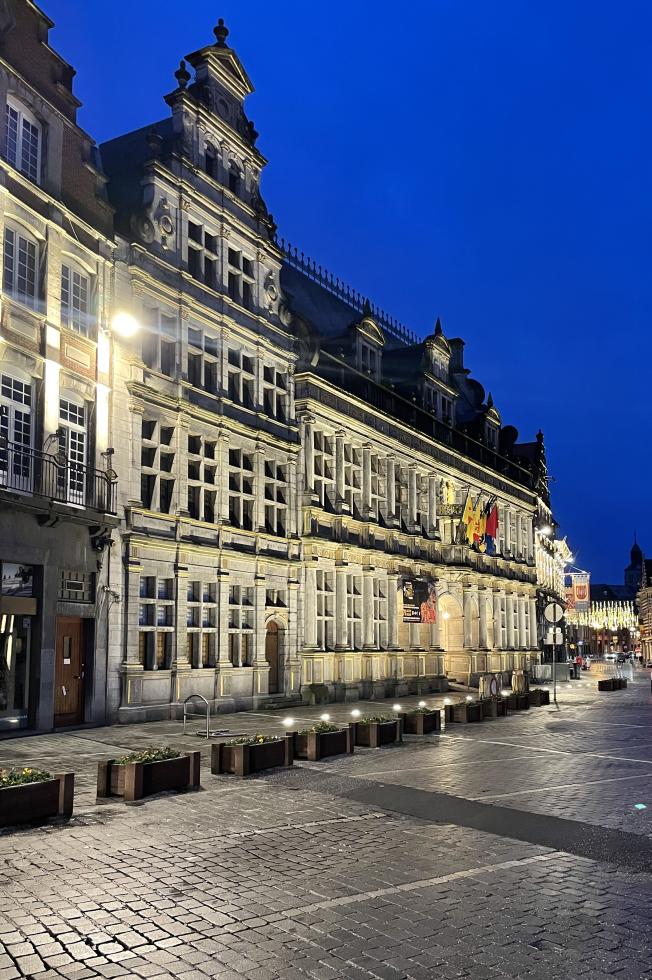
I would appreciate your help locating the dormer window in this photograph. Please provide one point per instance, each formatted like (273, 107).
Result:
(491, 435)
(447, 409)
(368, 359)
(23, 140)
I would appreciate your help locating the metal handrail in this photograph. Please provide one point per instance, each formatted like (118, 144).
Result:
(196, 714)
(35, 473)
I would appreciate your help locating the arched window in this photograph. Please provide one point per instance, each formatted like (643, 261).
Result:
(16, 430)
(73, 443)
(23, 140)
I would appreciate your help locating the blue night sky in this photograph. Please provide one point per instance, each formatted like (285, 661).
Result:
(485, 162)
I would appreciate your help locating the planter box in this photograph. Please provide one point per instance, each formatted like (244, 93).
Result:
(518, 702)
(319, 745)
(622, 683)
(135, 780)
(502, 707)
(378, 733)
(421, 723)
(448, 713)
(608, 684)
(538, 698)
(467, 712)
(242, 760)
(489, 708)
(33, 802)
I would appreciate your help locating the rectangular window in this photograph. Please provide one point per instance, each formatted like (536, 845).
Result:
(354, 611)
(241, 625)
(241, 378)
(72, 443)
(240, 278)
(202, 479)
(23, 140)
(157, 460)
(155, 622)
(276, 498)
(325, 610)
(75, 300)
(202, 624)
(19, 272)
(241, 489)
(201, 256)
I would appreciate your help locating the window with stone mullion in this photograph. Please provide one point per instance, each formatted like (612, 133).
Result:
(241, 489)
(202, 623)
(276, 498)
(157, 465)
(324, 468)
(380, 614)
(325, 609)
(241, 625)
(202, 478)
(354, 611)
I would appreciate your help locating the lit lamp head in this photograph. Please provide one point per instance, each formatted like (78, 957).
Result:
(396, 707)
(325, 717)
(421, 704)
(124, 324)
(355, 713)
(287, 722)
(546, 530)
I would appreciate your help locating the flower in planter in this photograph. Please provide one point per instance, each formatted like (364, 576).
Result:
(371, 719)
(253, 740)
(422, 711)
(149, 755)
(321, 728)
(20, 777)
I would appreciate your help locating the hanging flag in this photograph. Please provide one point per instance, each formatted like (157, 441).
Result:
(491, 527)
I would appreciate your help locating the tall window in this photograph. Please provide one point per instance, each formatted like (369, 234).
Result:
(73, 443)
(275, 386)
(156, 622)
(325, 610)
(240, 283)
(235, 179)
(241, 489)
(75, 300)
(380, 614)
(202, 255)
(368, 359)
(203, 364)
(19, 267)
(352, 477)
(16, 429)
(276, 498)
(241, 625)
(354, 611)
(202, 468)
(157, 454)
(159, 348)
(210, 161)
(324, 467)
(202, 623)
(23, 137)
(241, 378)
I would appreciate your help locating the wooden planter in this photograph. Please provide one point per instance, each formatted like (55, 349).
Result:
(518, 702)
(421, 722)
(34, 802)
(242, 760)
(135, 780)
(622, 683)
(448, 713)
(607, 684)
(467, 712)
(489, 708)
(318, 745)
(502, 707)
(538, 698)
(377, 733)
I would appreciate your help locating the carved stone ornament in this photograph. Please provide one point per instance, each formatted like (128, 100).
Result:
(142, 227)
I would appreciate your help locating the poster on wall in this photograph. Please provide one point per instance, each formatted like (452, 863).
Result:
(419, 601)
(17, 580)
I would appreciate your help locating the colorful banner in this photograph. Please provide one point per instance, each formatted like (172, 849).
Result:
(581, 586)
(479, 524)
(570, 597)
(419, 601)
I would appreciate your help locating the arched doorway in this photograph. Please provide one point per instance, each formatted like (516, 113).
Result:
(451, 630)
(273, 657)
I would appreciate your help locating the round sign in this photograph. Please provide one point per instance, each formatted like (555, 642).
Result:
(554, 612)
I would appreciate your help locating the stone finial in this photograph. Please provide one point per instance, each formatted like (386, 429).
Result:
(221, 33)
(438, 329)
(366, 308)
(490, 400)
(182, 74)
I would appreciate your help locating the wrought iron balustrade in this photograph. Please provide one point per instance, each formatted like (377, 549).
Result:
(37, 474)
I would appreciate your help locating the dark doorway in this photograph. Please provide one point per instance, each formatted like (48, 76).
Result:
(272, 656)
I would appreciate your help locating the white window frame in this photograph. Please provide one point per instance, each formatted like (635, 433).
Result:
(17, 427)
(77, 315)
(16, 239)
(73, 442)
(19, 155)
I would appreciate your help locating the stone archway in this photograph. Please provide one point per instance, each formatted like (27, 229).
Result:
(451, 623)
(275, 656)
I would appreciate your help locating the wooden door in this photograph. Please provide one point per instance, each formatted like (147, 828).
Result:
(69, 672)
(271, 655)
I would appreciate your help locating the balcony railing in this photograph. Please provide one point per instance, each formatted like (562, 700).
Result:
(36, 474)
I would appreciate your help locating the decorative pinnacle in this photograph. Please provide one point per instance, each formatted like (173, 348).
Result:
(438, 329)
(490, 401)
(182, 75)
(221, 33)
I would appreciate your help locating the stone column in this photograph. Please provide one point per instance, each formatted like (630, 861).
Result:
(508, 532)
(259, 489)
(368, 632)
(534, 643)
(341, 618)
(522, 633)
(339, 469)
(366, 479)
(510, 622)
(412, 495)
(393, 582)
(432, 503)
(519, 535)
(309, 453)
(390, 489)
(483, 638)
(223, 619)
(310, 608)
(467, 611)
(498, 641)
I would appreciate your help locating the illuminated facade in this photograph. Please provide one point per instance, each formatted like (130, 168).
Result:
(645, 611)
(57, 495)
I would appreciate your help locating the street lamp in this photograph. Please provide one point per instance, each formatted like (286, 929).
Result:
(124, 324)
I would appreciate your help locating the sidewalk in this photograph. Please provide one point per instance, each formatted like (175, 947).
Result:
(80, 751)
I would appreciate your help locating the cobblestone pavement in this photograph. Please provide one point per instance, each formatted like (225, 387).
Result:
(372, 866)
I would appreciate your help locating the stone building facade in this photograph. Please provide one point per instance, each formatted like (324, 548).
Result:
(312, 503)
(57, 493)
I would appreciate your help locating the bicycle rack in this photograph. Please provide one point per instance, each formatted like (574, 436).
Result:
(187, 713)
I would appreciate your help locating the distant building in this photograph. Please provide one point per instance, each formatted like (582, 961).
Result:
(645, 610)
(614, 610)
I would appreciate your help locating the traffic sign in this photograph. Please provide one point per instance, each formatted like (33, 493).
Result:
(554, 612)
